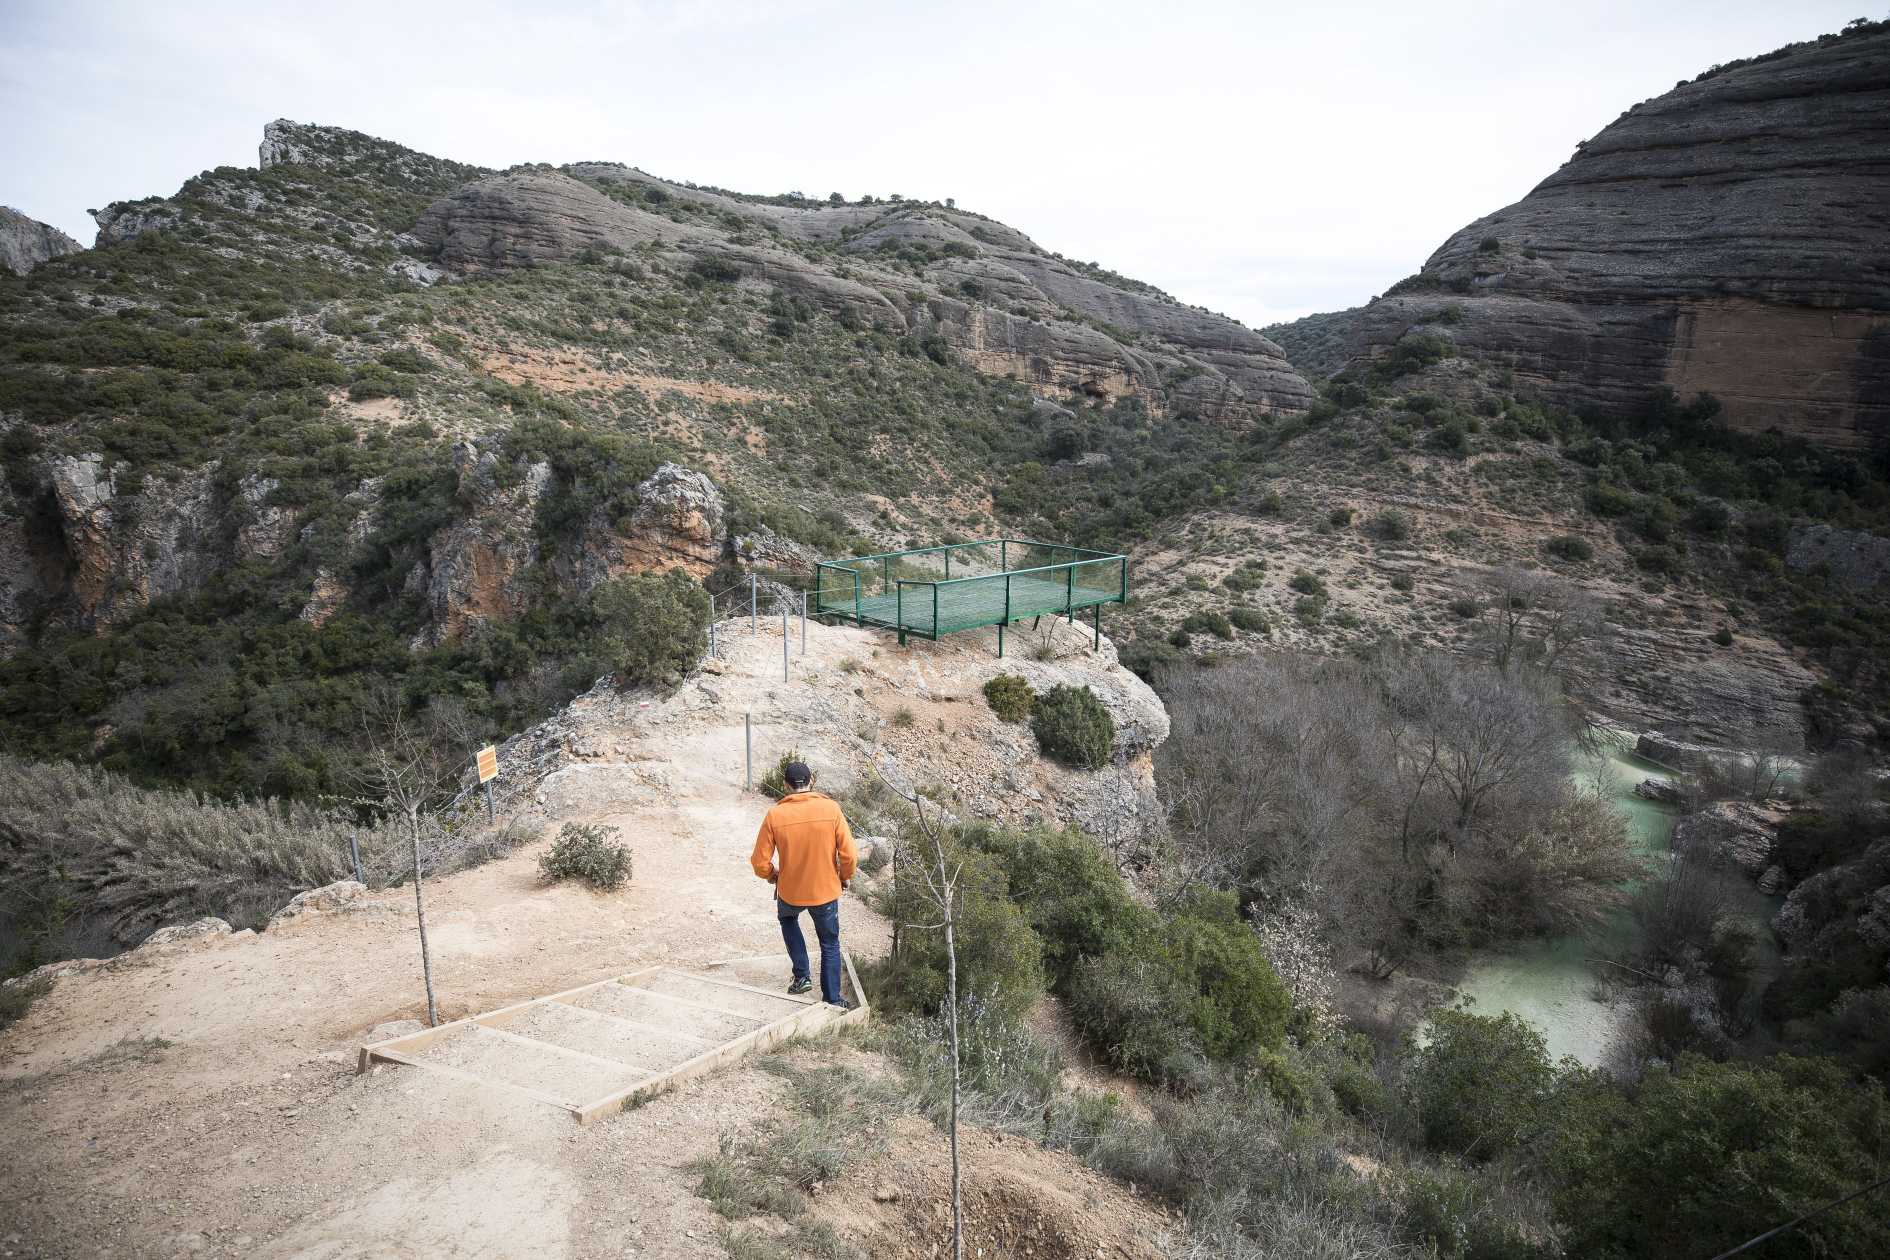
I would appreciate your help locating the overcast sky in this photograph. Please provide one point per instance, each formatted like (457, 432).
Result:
(1265, 160)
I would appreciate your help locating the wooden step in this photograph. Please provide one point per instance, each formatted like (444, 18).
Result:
(724, 995)
(537, 1066)
(648, 1007)
(603, 1046)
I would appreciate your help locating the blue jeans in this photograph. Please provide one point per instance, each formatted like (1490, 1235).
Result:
(827, 927)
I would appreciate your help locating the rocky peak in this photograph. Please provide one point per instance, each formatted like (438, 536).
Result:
(1721, 238)
(25, 243)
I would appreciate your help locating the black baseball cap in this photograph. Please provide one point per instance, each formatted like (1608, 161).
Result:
(797, 774)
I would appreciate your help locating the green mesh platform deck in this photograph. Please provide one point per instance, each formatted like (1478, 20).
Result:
(935, 591)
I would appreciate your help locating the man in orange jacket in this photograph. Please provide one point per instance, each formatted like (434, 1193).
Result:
(806, 851)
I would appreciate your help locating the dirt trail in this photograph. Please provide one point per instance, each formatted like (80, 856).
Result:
(200, 1098)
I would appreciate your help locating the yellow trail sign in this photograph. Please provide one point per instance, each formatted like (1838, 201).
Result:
(488, 764)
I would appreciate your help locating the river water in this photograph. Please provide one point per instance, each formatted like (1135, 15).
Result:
(1552, 983)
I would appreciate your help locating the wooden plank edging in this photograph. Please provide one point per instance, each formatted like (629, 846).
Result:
(427, 1036)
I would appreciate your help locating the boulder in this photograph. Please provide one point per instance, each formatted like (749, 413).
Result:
(1660, 791)
(1734, 833)
(328, 899)
(182, 932)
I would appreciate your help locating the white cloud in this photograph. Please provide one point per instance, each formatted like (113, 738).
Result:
(1263, 159)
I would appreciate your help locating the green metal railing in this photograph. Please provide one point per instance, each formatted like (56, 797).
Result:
(935, 591)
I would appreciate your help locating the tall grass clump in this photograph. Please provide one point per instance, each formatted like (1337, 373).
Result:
(89, 860)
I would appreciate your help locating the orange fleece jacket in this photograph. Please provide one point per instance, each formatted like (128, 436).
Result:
(808, 835)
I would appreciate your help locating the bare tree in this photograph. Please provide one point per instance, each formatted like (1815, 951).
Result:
(1495, 733)
(940, 876)
(1535, 618)
(409, 772)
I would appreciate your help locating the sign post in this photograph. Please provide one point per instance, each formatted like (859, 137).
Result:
(488, 763)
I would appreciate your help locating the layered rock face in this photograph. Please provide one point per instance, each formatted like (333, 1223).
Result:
(25, 243)
(1004, 304)
(1728, 237)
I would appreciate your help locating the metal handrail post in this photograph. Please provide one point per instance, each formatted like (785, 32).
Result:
(803, 623)
(784, 644)
(1007, 615)
(754, 621)
(935, 612)
(1069, 593)
(899, 611)
(858, 618)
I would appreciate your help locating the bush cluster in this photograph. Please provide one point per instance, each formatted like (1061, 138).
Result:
(1209, 622)
(1010, 696)
(651, 628)
(1072, 726)
(589, 853)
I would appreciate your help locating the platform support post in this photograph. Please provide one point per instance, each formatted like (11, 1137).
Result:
(1098, 627)
(1069, 594)
(899, 611)
(1007, 615)
(754, 622)
(858, 618)
(803, 623)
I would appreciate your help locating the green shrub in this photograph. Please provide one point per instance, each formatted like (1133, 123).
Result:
(1569, 547)
(652, 629)
(773, 783)
(1311, 610)
(1144, 657)
(1604, 499)
(1339, 517)
(1449, 1212)
(1723, 636)
(1252, 620)
(1390, 525)
(1481, 1085)
(1402, 582)
(1077, 903)
(1010, 696)
(1240, 1004)
(1465, 607)
(1653, 1173)
(1072, 726)
(903, 718)
(1306, 583)
(1124, 1005)
(1489, 245)
(589, 853)
(1214, 623)
(1000, 962)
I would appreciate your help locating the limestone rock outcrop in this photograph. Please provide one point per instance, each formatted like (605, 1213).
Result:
(25, 243)
(1854, 559)
(78, 547)
(1006, 306)
(1726, 237)
(1731, 833)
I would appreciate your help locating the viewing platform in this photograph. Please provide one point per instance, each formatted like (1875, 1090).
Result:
(935, 591)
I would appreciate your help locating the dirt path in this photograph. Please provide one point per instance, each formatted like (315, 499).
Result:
(200, 1099)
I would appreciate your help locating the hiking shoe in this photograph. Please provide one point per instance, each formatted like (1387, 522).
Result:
(800, 986)
(842, 1003)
